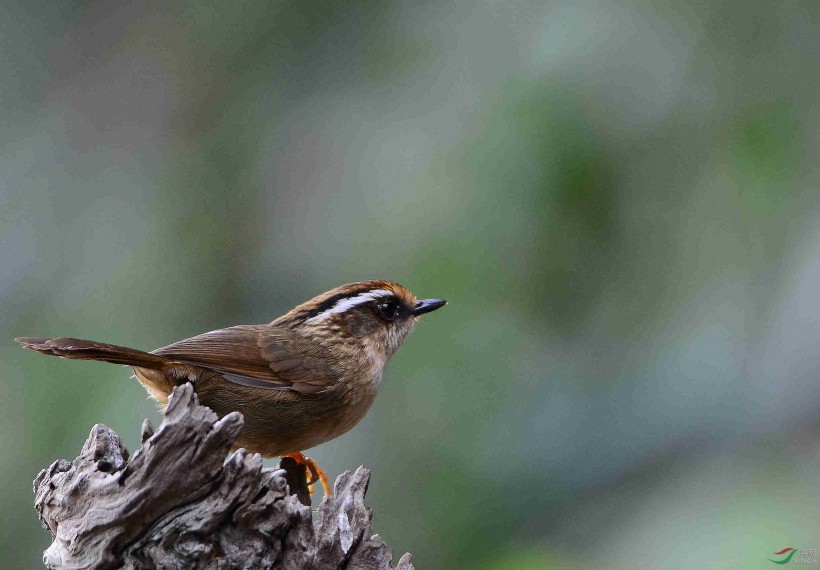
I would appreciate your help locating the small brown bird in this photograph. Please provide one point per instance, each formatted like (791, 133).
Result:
(304, 379)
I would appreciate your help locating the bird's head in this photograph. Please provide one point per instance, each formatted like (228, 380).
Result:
(377, 314)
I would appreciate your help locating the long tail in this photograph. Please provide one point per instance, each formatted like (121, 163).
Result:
(91, 350)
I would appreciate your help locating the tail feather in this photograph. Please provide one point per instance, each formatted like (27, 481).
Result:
(91, 350)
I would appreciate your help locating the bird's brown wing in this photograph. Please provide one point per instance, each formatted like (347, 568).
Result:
(261, 356)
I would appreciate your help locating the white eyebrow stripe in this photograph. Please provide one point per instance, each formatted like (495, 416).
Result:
(344, 304)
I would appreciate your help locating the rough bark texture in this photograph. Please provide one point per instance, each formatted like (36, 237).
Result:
(179, 503)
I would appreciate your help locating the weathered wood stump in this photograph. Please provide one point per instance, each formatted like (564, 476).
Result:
(179, 503)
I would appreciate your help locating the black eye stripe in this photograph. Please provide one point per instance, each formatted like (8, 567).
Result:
(329, 304)
(325, 305)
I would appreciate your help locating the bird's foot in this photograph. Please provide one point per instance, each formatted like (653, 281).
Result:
(316, 472)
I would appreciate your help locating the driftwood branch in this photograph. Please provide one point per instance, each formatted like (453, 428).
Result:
(179, 503)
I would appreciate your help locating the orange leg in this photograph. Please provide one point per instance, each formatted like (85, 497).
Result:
(316, 472)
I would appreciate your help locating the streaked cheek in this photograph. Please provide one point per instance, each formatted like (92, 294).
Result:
(361, 326)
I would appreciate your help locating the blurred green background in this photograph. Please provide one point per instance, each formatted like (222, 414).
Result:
(617, 198)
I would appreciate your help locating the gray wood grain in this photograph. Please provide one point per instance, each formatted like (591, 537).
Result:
(180, 503)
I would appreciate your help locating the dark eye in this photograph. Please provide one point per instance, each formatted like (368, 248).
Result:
(388, 310)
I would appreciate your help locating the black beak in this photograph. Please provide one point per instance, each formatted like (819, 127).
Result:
(427, 305)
